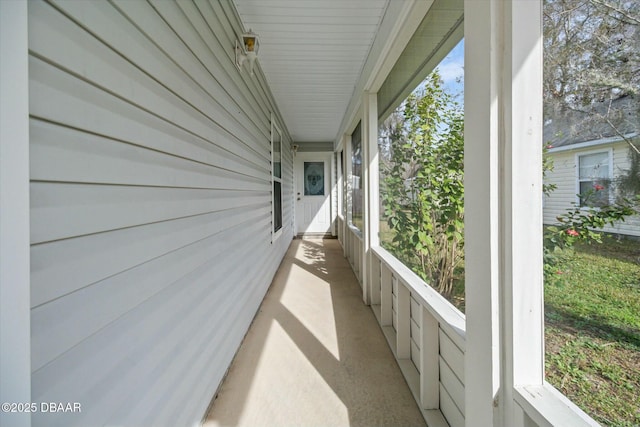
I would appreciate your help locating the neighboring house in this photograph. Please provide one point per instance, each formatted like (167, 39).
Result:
(588, 158)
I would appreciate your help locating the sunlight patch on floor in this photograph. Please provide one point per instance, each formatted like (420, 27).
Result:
(314, 355)
(285, 388)
(309, 299)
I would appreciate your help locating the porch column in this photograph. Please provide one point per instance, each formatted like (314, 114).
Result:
(344, 207)
(334, 193)
(503, 207)
(15, 330)
(347, 189)
(339, 187)
(371, 203)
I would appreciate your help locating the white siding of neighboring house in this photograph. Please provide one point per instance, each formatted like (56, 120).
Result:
(150, 207)
(564, 176)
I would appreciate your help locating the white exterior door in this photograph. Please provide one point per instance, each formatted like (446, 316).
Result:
(313, 193)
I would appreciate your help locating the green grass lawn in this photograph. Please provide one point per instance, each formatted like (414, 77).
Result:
(592, 334)
(592, 328)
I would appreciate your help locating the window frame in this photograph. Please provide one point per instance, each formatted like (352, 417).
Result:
(352, 188)
(340, 173)
(578, 156)
(276, 233)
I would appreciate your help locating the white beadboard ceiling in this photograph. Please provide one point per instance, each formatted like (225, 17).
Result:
(312, 53)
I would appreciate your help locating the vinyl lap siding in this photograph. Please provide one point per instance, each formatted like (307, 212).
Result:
(621, 163)
(150, 207)
(564, 176)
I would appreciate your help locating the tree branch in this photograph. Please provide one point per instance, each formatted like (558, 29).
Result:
(621, 135)
(633, 19)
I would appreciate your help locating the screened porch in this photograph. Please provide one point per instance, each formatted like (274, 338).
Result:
(149, 198)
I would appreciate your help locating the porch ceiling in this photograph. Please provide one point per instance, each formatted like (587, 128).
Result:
(312, 53)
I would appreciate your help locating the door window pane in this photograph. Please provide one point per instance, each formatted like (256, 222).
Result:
(314, 178)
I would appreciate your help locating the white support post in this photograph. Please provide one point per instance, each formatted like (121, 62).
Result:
(523, 302)
(345, 178)
(429, 361)
(481, 172)
(348, 150)
(334, 195)
(340, 191)
(503, 222)
(15, 330)
(386, 296)
(403, 325)
(347, 188)
(371, 214)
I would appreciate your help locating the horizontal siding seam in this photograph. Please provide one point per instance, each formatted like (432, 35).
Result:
(146, 110)
(265, 218)
(243, 208)
(156, 150)
(163, 289)
(101, 40)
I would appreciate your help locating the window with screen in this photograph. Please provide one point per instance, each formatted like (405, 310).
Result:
(356, 178)
(594, 179)
(276, 171)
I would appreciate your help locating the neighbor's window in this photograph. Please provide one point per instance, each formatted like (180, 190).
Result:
(276, 171)
(594, 179)
(356, 178)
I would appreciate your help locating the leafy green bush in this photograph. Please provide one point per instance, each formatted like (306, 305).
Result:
(423, 191)
(583, 224)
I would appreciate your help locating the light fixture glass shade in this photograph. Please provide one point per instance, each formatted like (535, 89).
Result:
(250, 41)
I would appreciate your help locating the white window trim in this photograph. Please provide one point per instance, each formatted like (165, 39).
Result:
(275, 234)
(15, 301)
(358, 122)
(339, 183)
(609, 152)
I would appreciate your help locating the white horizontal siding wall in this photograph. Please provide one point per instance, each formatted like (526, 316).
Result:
(150, 198)
(564, 175)
(622, 163)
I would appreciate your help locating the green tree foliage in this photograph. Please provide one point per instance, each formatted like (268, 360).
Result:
(583, 224)
(423, 192)
(592, 68)
(547, 166)
(592, 65)
(579, 223)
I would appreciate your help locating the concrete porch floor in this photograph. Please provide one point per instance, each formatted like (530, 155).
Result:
(314, 355)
